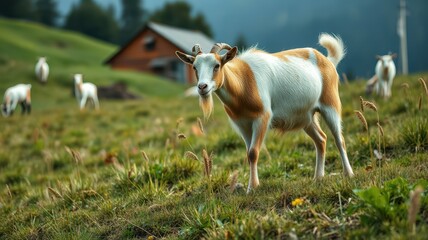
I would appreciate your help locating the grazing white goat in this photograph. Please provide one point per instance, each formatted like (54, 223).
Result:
(20, 93)
(385, 70)
(284, 90)
(42, 70)
(83, 91)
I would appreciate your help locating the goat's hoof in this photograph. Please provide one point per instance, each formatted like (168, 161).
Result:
(251, 188)
(349, 175)
(318, 178)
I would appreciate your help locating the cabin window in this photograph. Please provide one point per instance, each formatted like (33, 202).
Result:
(149, 43)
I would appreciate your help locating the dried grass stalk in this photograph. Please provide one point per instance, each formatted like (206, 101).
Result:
(211, 161)
(167, 142)
(370, 105)
(233, 181)
(145, 156)
(191, 155)
(179, 121)
(181, 136)
(9, 193)
(74, 154)
(118, 167)
(382, 133)
(420, 103)
(405, 85)
(362, 104)
(362, 119)
(131, 171)
(54, 192)
(415, 203)
(206, 162)
(424, 85)
(201, 127)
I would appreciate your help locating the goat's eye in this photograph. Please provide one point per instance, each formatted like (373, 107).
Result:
(216, 67)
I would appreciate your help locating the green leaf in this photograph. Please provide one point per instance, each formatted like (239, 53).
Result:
(373, 197)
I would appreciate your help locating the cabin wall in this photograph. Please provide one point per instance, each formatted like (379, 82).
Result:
(160, 60)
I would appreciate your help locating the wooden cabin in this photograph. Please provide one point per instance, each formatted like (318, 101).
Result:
(153, 49)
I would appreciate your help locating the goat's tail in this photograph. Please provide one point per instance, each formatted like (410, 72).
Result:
(335, 47)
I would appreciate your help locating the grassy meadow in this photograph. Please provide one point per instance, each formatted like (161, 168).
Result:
(148, 169)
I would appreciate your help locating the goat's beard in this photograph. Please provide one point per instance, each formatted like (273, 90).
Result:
(207, 105)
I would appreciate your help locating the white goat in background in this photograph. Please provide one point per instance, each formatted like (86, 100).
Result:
(20, 93)
(385, 72)
(42, 70)
(284, 90)
(83, 91)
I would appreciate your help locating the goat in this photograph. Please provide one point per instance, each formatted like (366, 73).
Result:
(20, 93)
(83, 91)
(42, 70)
(285, 91)
(381, 82)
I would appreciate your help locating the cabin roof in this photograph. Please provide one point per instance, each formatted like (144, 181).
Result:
(182, 38)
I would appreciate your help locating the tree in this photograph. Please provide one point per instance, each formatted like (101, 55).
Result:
(46, 12)
(178, 14)
(22, 9)
(131, 19)
(92, 20)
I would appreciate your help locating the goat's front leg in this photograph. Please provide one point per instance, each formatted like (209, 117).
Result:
(23, 107)
(12, 107)
(83, 101)
(389, 88)
(260, 127)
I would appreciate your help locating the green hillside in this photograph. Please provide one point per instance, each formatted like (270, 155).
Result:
(21, 43)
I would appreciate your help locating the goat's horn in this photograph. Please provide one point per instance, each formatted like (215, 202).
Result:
(196, 50)
(220, 46)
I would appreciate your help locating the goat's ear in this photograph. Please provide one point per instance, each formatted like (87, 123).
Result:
(378, 57)
(185, 58)
(394, 55)
(229, 55)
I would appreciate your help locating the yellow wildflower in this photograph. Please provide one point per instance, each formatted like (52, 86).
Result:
(297, 202)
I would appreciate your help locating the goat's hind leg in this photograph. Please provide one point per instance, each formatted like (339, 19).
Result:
(333, 119)
(96, 102)
(28, 107)
(320, 139)
(23, 108)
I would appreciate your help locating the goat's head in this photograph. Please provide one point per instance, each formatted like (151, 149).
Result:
(208, 70)
(77, 78)
(386, 59)
(4, 110)
(207, 66)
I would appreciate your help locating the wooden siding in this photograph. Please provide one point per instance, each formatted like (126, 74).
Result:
(135, 56)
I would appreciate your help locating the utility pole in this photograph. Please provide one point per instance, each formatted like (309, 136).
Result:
(402, 33)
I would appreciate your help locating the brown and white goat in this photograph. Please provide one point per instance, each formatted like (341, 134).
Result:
(284, 90)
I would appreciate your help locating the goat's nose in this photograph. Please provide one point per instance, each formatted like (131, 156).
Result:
(202, 86)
